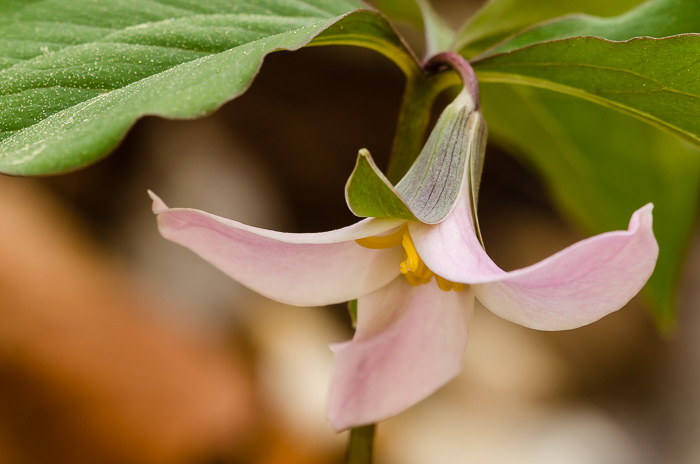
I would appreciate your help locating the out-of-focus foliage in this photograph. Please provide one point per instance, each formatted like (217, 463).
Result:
(658, 18)
(601, 165)
(654, 79)
(500, 18)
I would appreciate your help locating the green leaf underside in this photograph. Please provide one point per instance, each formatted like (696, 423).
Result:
(370, 30)
(658, 18)
(75, 75)
(653, 79)
(430, 189)
(600, 166)
(500, 18)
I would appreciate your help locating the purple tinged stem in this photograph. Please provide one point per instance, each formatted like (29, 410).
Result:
(459, 64)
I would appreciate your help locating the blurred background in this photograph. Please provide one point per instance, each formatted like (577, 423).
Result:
(117, 346)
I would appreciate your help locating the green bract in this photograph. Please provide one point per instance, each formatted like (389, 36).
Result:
(429, 190)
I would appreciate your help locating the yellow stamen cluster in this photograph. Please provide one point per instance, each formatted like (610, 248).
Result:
(412, 267)
(416, 272)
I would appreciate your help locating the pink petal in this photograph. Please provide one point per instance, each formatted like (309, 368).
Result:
(298, 269)
(409, 342)
(572, 288)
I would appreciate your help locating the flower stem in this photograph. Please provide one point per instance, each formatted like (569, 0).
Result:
(360, 445)
(459, 64)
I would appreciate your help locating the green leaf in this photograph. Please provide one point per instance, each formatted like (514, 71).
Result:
(75, 75)
(370, 30)
(653, 79)
(658, 18)
(421, 15)
(501, 18)
(429, 189)
(438, 34)
(600, 166)
(405, 11)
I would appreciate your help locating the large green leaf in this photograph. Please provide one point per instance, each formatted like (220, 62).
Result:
(75, 75)
(657, 18)
(600, 166)
(501, 18)
(653, 79)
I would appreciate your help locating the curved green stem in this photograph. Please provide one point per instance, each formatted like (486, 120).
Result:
(461, 66)
(361, 445)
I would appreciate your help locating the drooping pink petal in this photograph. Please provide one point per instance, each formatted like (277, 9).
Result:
(409, 342)
(299, 269)
(572, 288)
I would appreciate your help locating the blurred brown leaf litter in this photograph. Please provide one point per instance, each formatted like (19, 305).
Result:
(86, 376)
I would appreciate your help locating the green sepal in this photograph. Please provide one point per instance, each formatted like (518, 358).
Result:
(429, 190)
(477, 150)
(352, 310)
(433, 183)
(370, 194)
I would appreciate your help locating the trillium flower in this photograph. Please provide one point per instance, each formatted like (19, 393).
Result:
(416, 273)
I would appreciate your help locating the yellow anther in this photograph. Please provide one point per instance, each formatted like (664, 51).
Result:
(383, 241)
(412, 259)
(423, 273)
(412, 279)
(444, 285)
(412, 267)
